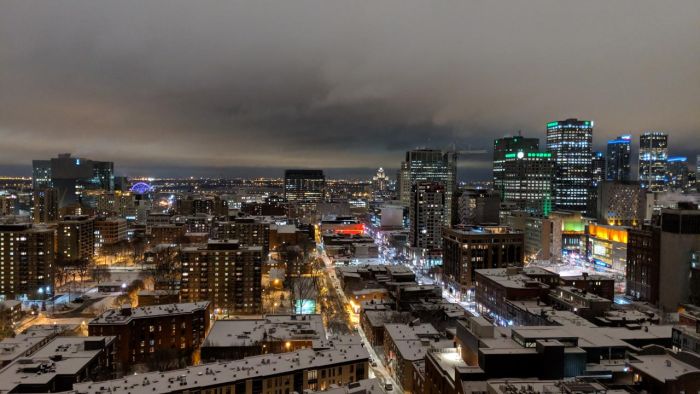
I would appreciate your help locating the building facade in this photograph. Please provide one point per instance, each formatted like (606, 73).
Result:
(225, 273)
(75, 238)
(653, 157)
(617, 160)
(621, 203)
(429, 165)
(426, 217)
(569, 141)
(528, 181)
(26, 261)
(509, 146)
(470, 248)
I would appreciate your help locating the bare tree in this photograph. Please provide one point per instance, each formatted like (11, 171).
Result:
(6, 330)
(100, 273)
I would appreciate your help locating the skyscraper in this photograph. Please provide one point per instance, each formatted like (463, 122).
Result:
(678, 172)
(597, 168)
(426, 212)
(570, 142)
(653, 156)
(304, 186)
(41, 174)
(508, 146)
(429, 165)
(71, 175)
(45, 205)
(528, 181)
(597, 176)
(618, 158)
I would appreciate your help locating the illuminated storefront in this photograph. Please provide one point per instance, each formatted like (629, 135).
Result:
(607, 246)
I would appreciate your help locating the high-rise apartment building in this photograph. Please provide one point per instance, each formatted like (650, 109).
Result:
(618, 159)
(45, 205)
(70, 176)
(426, 217)
(528, 181)
(249, 231)
(653, 156)
(26, 260)
(429, 165)
(304, 186)
(508, 146)
(225, 273)
(75, 238)
(41, 174)
(569, 141)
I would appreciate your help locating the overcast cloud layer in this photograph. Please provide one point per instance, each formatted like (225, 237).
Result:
(212, 87)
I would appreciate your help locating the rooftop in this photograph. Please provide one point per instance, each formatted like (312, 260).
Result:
(125, 315)
(248, 332)
(215, 374)
(62, 356)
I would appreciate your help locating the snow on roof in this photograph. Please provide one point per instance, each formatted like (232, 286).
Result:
(365, 386)
(248, 332)
(63, 356)
(662, 367)
(225, 373)
(115, 316)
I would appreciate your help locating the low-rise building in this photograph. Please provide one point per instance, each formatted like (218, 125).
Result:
(240, 338)
(60, 364)
(405, 344)
(342, 362)
(470, 248)
(144, 332)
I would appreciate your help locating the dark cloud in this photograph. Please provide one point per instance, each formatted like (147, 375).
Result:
(161, 86)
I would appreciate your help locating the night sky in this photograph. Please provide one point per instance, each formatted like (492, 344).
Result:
(227, 88)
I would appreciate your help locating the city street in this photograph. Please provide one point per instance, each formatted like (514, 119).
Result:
(377, 367)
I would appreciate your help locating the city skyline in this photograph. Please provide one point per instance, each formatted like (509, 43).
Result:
(227, 90)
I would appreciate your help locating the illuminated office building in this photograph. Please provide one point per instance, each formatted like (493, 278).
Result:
(509, 146)
(678, 173)
(653, 156)
(528, 181)
(304, 186)
(569, 141)
(429, 165)
(618, 159)
(70, 176)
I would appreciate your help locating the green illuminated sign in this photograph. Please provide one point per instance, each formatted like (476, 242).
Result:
(552, 124)
(539, 154)
(510, 155)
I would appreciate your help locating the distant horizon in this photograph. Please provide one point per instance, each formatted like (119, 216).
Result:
(463, 174)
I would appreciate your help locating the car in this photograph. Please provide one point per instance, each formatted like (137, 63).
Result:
(374, 364)
(388, 387)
